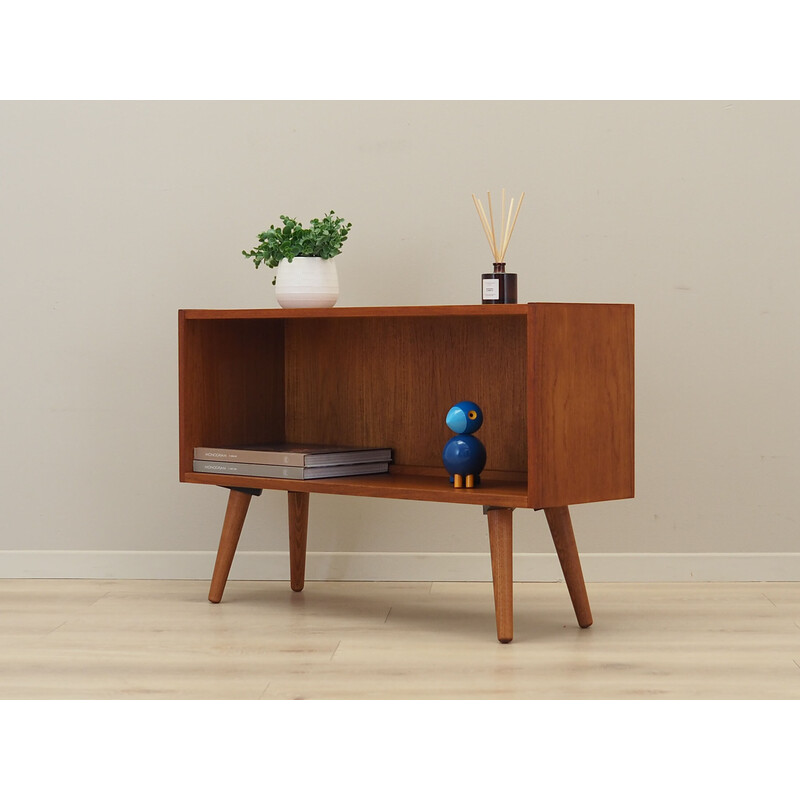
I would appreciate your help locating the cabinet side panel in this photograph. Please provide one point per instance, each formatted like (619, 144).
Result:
(231, 383)
(581, 408)
(389, 382)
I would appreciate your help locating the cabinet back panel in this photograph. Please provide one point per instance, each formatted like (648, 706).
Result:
(386, 381)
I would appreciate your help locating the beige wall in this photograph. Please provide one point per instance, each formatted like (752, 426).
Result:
(114, 215)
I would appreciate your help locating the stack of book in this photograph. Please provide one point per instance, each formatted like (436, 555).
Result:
(294, 461)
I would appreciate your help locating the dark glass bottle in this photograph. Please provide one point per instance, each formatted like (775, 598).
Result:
(499, 286)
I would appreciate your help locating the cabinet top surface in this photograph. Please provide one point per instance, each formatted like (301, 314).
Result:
(520, 309)
(357, 311)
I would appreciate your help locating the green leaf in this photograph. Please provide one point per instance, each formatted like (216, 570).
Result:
(322, 238)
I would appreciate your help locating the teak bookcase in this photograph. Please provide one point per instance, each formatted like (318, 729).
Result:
(554, 380)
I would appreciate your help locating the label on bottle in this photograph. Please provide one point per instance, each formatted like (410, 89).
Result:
(491, 288)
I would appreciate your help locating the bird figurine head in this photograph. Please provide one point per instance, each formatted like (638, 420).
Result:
(464, 417)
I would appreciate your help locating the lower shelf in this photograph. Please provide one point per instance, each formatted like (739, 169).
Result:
(491, 492)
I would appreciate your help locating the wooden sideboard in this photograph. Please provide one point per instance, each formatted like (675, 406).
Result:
(554, 381)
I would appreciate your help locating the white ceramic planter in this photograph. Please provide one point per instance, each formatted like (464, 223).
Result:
(307, 282)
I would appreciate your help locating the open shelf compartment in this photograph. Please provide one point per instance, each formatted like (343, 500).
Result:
(360, 377)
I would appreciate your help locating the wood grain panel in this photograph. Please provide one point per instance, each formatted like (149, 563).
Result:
(388, 381)
(230, 383)
(406, 486)
(581, 402)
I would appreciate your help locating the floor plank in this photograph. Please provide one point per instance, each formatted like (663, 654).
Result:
(70, 639)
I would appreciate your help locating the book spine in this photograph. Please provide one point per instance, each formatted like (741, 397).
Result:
(350, 457)
(250, 457)
(293, 473)
(254, 470)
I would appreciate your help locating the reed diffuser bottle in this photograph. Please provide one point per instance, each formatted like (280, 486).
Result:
(498, 286)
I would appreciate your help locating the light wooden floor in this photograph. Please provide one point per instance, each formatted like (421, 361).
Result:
(109, 639)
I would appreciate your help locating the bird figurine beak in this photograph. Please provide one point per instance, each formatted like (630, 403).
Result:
(456, 419)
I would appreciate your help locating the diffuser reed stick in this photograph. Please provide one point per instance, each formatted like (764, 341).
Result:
(491, 217)
(506, 224)
(504, 246)
(513, 225)
(484, 221)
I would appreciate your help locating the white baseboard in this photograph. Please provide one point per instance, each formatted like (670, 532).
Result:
(528, 567)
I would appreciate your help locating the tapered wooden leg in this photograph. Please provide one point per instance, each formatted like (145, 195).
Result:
(564, 539)
(238, 503)
(298, 534)
(500, 545)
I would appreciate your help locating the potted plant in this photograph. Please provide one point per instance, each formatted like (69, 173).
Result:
(306, 274)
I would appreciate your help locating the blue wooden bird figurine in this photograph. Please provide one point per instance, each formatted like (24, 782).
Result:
(464, 456)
